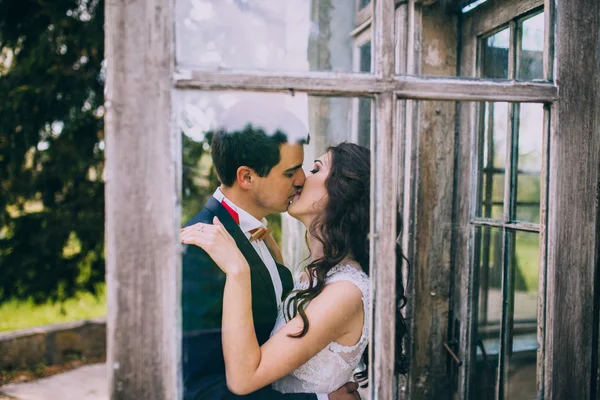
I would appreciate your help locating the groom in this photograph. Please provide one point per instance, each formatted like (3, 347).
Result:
(258, 156)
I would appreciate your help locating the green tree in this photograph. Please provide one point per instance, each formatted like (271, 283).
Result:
(51, 150)
(51, 141)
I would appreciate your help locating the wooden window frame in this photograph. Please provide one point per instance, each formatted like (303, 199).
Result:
(144, 189)
(480, 23)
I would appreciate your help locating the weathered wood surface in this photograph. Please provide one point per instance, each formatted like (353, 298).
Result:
(406, 118)
(494, 13)
(549, 38)
(434, 146)
(474, 90)
(383, 265)
(463, 323)
(325, 83)
(573, 208)
(142, 213)
(383, 211)
(384, 36)
(542, 270)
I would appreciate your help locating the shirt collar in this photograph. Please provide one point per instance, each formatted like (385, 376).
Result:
(247, 221)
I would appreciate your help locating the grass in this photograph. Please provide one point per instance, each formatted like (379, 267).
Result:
(16, 314)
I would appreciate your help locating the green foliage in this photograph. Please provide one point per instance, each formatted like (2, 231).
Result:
(274, 221)
(19, 314)
(199, 178)
(51, 150)
(51, 159)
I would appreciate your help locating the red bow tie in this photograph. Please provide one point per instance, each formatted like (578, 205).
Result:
(255, 234)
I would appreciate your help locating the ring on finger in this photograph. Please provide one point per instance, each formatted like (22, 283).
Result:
(201, 228)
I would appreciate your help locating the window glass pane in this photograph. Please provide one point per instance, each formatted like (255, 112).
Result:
(199, 114)
(529, 161)
(365, 57)
(472, 39)
(489, 263)
(291, 35)
(530, 60)
(521, 379)
(364, 122)
(493, 133)
(329, 120)
(527, 256)
(495, 55)
(493, 196)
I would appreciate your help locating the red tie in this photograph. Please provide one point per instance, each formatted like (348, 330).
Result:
(255, 234)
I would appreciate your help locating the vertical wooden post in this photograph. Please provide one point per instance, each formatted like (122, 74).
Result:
(573, 207)
(383, 263)
(142, 213)
(433, 139)
(383, 212)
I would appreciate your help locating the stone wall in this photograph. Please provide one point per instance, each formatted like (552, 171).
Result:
(52, 344)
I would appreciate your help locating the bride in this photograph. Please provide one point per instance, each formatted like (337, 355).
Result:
(323, 325)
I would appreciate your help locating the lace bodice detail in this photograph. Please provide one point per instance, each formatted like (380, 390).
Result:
(334, 365)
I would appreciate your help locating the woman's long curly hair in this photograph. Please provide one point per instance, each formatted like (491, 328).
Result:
(342, 229)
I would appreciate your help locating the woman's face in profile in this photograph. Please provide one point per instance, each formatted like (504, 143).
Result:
(313, 198)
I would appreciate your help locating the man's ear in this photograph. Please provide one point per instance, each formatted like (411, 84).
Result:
(245, 177)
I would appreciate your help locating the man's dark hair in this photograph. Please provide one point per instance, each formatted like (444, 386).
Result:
(250, 147)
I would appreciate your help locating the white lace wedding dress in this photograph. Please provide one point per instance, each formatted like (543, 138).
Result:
(334, 365)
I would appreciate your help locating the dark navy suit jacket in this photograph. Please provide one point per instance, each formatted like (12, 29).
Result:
(203, 284)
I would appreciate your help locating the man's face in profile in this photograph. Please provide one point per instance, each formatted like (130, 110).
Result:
(275, 191)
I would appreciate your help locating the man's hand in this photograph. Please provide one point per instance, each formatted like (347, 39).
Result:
(347, 392)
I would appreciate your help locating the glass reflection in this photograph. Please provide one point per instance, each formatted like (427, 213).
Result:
(521, 379)
(330, 120)
(529, 162)
(489, 262)
(494, 133)
(495, 55)
(291, 35)
(364, 104)
(530, 61)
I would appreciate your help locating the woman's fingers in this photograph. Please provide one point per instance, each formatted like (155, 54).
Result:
(197, 227)
(206, 236)
(216, 233)
(192, 237)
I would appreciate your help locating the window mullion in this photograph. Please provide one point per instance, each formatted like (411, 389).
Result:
(350, 85)
(384, 37)
(549, 40)
(543, 270)
(512, 53)
(384, 206)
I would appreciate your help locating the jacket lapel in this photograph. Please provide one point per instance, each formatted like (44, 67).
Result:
(287, 282)
(244, 245)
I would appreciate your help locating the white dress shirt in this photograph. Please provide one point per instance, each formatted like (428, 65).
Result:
(247, 223)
